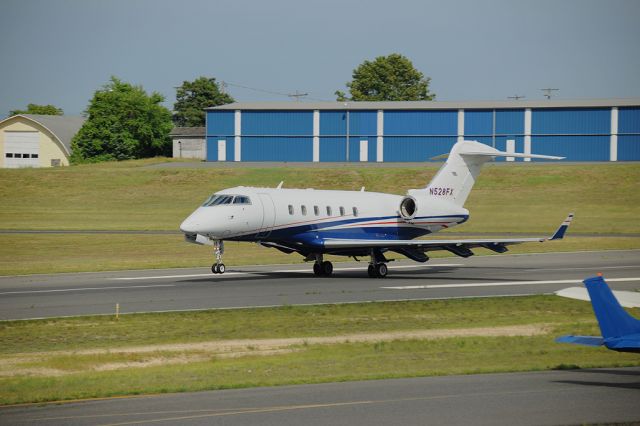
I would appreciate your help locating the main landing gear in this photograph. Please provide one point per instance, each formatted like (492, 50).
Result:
(218, 251)
(377, 265)
(322, 268)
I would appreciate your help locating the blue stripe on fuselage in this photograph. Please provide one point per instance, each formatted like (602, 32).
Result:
(314, 233)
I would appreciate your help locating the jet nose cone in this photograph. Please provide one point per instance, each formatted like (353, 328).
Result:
(189, 227)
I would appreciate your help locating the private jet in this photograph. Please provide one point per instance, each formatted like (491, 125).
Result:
(315, 223)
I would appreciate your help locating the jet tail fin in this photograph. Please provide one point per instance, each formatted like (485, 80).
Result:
(456, 177)
(614, 321)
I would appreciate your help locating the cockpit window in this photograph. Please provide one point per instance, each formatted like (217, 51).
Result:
(220, 199)
(241, 199)
(216, 200)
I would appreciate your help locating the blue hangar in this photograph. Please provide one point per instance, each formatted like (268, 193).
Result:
(580, 130)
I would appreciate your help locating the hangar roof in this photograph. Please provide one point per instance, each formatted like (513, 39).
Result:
(63, 127)
(507, 104)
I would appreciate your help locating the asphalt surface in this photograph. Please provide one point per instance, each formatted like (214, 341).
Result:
(541, 398)
(39, 296)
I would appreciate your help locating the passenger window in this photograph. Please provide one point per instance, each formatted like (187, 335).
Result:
(290, 209)
(316, 210)
(328, 211)
(355, 212)
(303, 209)
(341, 211)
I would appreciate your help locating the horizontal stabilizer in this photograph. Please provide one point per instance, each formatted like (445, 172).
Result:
(582, 340)
(497, 153)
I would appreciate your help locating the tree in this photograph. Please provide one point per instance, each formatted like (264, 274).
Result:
(38, 109)
(387, 78)
(123, 122)
(193, 97)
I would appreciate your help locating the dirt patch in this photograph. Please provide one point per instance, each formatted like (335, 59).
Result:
(183, 353)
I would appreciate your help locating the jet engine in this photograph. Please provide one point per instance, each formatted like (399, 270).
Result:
(408, 208)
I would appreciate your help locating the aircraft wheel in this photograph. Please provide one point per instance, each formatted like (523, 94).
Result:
(221, 268)
(214, 268)
(371, 270)
(327, 268)
(381, 270)
(317, 269)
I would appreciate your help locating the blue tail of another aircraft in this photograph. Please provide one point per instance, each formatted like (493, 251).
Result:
(620, 331)
(613, 319)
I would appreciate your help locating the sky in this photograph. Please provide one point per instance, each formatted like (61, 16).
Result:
(61, 51)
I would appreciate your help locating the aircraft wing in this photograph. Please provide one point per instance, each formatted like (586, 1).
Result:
(458, 247)
(628, 299)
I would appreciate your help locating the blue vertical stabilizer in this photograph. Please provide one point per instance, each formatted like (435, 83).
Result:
(613, 319)
(620, 331)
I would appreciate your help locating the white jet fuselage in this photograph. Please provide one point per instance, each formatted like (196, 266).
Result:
(308, 216)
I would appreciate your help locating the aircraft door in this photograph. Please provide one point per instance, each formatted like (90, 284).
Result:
(268, 215)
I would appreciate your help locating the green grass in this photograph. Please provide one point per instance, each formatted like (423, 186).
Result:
(531, 198)
(41, 254)
(288, 321)
(78, 375)
(128, 196)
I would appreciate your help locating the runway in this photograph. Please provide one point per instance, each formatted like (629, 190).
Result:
(41, 296)
(539, 398)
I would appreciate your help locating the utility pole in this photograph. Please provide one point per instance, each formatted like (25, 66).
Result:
(297, 95)
(548, 91)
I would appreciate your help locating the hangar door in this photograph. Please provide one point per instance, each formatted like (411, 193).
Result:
(21, 149)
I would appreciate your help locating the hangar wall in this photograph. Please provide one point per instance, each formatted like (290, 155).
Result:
(598, 130)
(48, 150)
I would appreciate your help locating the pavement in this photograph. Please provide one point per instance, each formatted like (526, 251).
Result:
(42, 296)
(539, 398)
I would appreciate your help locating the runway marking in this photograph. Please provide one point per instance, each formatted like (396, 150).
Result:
(202, 414)
(278, 271)
(362, 268)
(162, 277)
(500, 284)
(86, 289)
(592, 268)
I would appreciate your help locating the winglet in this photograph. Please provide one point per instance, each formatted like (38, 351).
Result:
(559, 234)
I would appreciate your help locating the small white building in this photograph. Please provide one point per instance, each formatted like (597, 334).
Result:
(189, 142)
(30, 140)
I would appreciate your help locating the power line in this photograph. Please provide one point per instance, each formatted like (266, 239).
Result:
(547, 92)
(295, 95)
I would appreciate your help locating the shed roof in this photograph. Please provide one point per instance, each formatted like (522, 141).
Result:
(500, 104)
(63, 127)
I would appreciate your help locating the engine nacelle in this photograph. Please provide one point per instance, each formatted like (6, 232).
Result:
(408, 208)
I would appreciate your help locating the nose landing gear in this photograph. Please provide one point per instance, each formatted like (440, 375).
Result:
(218, 251)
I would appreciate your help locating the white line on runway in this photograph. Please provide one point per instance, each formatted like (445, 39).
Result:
(87, 289)
(500, 284)
(279, 271)
(160, 277)
(362, 268)
(591, 268)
